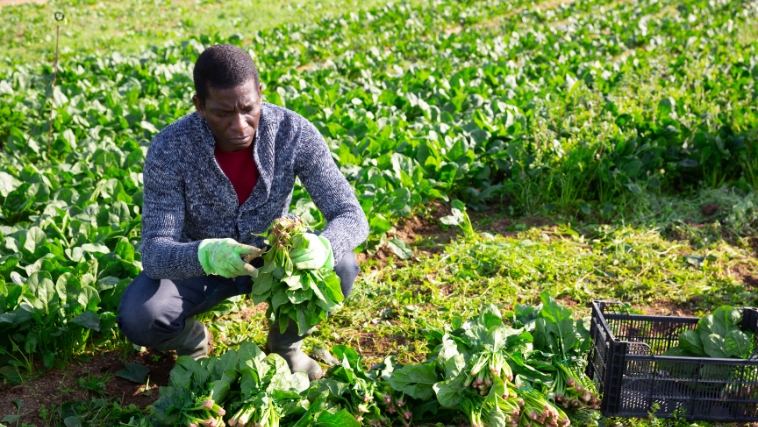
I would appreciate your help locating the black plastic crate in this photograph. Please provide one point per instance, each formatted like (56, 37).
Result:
(633, 377)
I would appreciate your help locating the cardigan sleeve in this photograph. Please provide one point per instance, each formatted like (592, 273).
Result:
(163, 255)
(347, 226)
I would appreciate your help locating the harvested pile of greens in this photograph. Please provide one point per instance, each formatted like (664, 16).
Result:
(503, 376)
(526, 373)
(716, 335)
(562, 342)
(303, 296)
(244, 387)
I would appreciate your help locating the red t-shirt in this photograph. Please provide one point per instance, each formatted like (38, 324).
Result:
(239, 167)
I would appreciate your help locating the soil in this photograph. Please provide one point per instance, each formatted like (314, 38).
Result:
(710, 209)
(56, 387)
(423, 232)
(746, 273)
(376, 348)
(754, 245)
(667, 308)
(428, 235)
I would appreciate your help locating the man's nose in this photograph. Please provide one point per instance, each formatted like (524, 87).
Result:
(238, 123)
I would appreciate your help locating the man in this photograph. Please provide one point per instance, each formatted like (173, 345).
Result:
(213, 180)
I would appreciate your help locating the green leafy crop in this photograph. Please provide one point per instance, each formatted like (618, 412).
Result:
(302, 296)
(716, 335)
(475, 372)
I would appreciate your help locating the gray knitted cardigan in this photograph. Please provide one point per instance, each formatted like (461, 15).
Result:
(187, 197)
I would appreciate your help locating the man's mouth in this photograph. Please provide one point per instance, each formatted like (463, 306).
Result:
(239, 139)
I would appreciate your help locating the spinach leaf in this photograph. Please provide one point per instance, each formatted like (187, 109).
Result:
(716, 335)
(691, 343)
(416, 381)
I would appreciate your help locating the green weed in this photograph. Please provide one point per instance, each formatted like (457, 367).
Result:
(94, 384)
(601, 262)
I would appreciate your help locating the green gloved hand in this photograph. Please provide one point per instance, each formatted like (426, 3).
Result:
(317, 253)
(222, 257)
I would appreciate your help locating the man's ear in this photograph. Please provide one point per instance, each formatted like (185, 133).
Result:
(199, 106)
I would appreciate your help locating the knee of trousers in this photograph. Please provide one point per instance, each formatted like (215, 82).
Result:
(347, 270)
(142, 320)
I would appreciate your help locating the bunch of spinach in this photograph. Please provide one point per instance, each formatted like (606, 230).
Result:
(268, 391)
(560, 347)
(716, 335)
(245, 386)
(303, 296)
(196, 391)
(503, 376)
(469, 370)
(481, 368)
(367, 395)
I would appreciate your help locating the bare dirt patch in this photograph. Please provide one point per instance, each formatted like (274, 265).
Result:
(428, 229)
(746, 274)
(754, 245)
(250, 311)
(710, 209)
(568, 302)
(425, 233)
(666, 308)
(56, 387)
(482, 221)
(751, 281)
(371, 346)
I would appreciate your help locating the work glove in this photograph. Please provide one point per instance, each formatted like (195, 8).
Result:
(222, 257)
(317, 254)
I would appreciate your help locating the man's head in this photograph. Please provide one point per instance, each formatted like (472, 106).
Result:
(228, 95)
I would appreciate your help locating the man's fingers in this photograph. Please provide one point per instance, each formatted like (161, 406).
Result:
(222, 257)
(243, 249)
(241, 268)
(247, 252)
(250, 270)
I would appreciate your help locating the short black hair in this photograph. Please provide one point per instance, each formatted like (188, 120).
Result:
(223, 66)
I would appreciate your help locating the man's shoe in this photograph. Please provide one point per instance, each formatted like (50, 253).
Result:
(193, 341)
(288, 346)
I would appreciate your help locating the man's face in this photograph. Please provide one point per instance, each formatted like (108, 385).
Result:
(232, 114)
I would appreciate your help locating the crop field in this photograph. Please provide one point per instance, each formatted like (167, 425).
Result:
(516, 160)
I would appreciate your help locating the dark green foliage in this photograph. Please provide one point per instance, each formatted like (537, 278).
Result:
(304, 297)
(468, 374)
(716, 335)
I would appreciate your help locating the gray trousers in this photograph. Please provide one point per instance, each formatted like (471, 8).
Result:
(153, 311)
